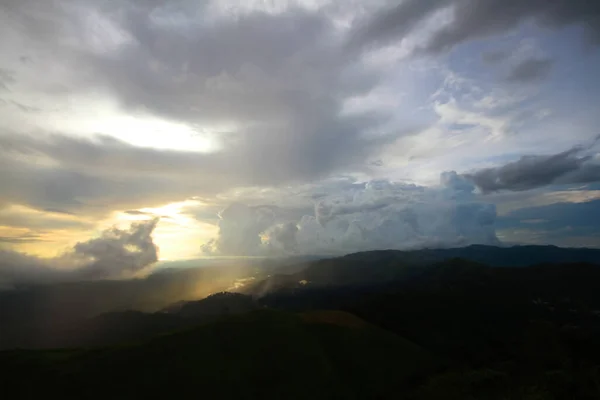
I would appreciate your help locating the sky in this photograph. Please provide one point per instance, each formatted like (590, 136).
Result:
(146, 130)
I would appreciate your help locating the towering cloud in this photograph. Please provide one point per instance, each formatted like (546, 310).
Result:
(387, 215)
(240, 227)
(374, 215)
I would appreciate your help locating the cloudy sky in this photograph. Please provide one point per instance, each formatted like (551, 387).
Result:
(147, 129)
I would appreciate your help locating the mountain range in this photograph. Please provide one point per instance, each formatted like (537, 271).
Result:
(477, 322)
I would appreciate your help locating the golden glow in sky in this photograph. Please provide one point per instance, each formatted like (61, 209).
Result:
(178, 235)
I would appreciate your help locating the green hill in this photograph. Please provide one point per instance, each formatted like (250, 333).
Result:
(259, 355)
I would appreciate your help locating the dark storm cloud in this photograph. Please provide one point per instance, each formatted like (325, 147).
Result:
(100, 174)
(279, 77)
(253, 67)
(530, 70)
(530, 172)
(280, 80)
(475, 19)
(70, 186)
(395, 22)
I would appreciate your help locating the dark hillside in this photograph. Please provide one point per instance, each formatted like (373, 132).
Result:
(260, 355)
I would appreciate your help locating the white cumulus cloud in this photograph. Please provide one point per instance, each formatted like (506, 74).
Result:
(374, 215)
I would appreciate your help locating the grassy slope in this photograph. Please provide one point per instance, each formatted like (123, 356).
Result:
(263, 354)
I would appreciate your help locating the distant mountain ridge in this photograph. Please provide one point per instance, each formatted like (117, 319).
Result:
(380, 266)
(513, 256)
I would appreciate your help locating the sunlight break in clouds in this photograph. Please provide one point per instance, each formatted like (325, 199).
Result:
(177, 234)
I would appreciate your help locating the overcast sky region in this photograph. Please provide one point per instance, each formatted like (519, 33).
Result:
(142, 130)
